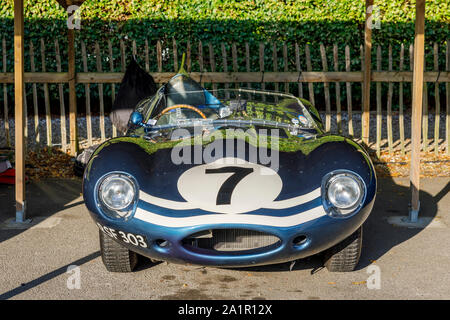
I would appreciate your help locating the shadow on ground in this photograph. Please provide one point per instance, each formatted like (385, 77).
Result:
(43, 199)
(46, 277)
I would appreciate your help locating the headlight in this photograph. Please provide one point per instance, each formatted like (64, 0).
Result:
(117, 194)
(343, 193)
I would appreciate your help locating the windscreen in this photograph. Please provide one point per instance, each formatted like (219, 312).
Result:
(191, 103)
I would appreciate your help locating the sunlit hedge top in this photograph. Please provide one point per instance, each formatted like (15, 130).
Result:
(265, 10)
(327, 20)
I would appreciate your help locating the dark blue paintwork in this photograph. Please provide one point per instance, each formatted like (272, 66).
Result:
(302, 167)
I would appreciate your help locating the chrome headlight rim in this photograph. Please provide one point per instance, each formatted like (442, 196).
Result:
(333, 210)
(121, 213)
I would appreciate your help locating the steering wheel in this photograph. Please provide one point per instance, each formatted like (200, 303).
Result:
(177, 106)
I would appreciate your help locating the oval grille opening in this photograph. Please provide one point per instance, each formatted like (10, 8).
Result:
(231, 240)
(299, 240)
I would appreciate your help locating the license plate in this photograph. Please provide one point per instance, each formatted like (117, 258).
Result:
(125, 237)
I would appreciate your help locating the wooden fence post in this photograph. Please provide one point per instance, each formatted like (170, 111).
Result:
(100, 93)
(275, 65)
(134, 49)
(212, 63)
(437, 100)
(48, 116)
(62, 106)
(326, 88)
(5, 96)
(35, 96)
(389, 105)
(379, 108)
(338, 90)
(234, 61)
(286, 65)
(19, 110)
(113, 85)
(261, 65)
(348, 86)
(175, 55)
(417, 101)
(425, 111)
(159, 55)
(309, 68)
(401, 118)
(225, 66)
(72, 93)
(367, 74)
(147, 58)
(299, 70)
(200, 59)
(87, 93)
(247, 61)
(188, 57)
(123, 56)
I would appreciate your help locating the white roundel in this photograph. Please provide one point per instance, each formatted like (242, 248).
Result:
(230, 185)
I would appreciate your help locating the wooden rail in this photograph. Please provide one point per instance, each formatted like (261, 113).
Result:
(233, 77)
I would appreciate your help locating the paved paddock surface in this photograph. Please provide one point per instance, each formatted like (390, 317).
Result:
(413, 263)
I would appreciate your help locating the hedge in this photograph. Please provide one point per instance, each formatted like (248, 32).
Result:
(226, 21)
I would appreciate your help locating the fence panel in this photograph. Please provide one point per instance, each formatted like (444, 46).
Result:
(242, 68)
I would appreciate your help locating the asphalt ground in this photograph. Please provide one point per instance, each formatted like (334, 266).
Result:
(396, 263)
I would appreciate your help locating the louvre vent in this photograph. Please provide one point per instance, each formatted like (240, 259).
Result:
(231, 240)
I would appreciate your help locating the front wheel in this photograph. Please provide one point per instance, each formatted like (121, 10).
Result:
(344, 256)
(115, 257)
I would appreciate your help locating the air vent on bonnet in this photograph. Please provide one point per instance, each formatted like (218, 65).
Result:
(231, 240)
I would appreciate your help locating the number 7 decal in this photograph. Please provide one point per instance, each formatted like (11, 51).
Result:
(225, 191)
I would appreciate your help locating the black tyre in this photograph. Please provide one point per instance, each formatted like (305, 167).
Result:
(344, 256)
(115, 257)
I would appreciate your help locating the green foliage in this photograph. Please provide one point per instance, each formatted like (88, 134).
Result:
(223, 22)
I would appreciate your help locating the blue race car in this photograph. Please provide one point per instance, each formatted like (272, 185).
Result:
(228, 178)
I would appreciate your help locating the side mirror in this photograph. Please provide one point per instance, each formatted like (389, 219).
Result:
(136, 118)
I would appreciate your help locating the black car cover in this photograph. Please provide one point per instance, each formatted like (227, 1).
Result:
(136, 85)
